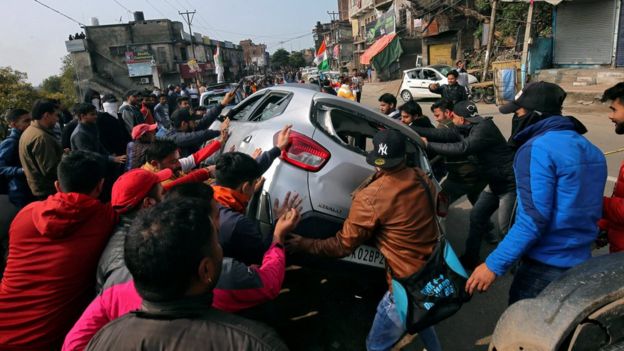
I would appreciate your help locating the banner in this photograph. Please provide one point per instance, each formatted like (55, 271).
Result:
(385, 24)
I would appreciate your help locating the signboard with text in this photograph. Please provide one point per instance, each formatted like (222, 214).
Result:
(385, 24)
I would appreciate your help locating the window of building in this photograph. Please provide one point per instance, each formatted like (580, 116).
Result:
(161, 54)
(183, 54)
(403, 17)
(117, 51)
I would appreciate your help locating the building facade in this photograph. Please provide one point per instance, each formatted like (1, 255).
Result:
(254, 57)
(147, 53)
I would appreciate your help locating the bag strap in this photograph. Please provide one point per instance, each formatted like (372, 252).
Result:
(428, 190)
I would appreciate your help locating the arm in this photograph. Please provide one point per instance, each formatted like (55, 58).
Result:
(536, 190)
(162, 117)
(8, 148)
(443, 135)
(128, 119)
(209, 117)
(265, 160)
(92, 320)
(357, 228)
(242, 286)
(437, 90)
(613, 210)
(193, 138)
(197, 176)
(479, 139)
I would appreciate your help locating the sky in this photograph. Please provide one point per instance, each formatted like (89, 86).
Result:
(33, 36)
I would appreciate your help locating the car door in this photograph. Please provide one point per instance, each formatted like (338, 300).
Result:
(411, 82)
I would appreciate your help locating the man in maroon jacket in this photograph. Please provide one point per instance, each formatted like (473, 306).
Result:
(54, 248)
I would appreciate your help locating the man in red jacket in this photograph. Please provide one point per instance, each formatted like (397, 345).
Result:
(613, 207)
(54, 248)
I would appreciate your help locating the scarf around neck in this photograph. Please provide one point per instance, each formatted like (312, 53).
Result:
(231, 198)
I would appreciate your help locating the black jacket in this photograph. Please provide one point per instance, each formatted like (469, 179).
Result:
(86, 137)
(189, 324)
(113, 133)
(454, 93)
(482, 139)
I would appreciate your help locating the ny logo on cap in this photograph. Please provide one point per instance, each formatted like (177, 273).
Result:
(383, 150)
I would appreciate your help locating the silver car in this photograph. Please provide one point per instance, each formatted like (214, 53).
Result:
(325, 161)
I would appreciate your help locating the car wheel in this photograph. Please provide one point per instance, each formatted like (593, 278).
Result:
(406, 95)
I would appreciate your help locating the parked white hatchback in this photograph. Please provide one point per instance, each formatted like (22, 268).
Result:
(416, 81)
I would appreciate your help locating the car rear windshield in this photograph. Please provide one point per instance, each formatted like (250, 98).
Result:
(356, 132)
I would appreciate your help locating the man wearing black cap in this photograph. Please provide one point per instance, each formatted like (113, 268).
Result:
(130, 112)
(561, 178)
(479, 136)
(405, 235)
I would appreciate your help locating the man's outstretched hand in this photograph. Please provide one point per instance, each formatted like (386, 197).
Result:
(290, 201)
(283, 137)
(480, 280)
(287, 222)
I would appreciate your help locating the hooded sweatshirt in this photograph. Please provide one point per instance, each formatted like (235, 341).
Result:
(49, 279)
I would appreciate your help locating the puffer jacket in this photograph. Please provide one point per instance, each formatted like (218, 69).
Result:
(613, 215)
(405, 235)
(239, 287)
(48, 281)
(12, 172)
(485, 141)
(561, 178)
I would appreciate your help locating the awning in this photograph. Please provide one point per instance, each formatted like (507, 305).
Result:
(388, 56)
(376, 48)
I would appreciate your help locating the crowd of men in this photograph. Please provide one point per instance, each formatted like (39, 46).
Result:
(119, 230)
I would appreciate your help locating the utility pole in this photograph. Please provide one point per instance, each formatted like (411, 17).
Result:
(488, 51)
(189, 20)
(525, 46)
(333, 15)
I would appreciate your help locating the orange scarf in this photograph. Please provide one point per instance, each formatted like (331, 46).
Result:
(231, 198)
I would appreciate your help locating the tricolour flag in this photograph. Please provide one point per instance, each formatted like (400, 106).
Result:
(321, 60)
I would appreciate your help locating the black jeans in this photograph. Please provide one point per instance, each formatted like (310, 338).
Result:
(454, 190)
(486, 205)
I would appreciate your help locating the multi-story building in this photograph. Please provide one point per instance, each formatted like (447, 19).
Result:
(371, 19)
(254, 56)
(339, 42)
(146, 53)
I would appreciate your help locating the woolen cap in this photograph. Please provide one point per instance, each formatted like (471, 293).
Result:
(132, 187)
(538, 96)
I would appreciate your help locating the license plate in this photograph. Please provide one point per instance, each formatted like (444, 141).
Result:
(367, 255)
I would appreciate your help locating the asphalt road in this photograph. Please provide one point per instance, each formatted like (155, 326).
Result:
(329, 310)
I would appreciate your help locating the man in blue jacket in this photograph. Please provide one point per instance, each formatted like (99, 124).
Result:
(560, 179)
(10, 166)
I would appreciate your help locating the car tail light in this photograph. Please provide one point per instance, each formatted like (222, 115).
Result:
(442, 205)
(305, 153)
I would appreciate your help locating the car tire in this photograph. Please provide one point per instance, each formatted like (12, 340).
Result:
(406, 96)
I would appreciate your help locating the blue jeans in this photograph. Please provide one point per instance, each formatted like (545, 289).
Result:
(388, 329)
(531, 278)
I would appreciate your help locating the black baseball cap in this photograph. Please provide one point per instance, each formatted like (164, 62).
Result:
(388, 149)
(538, 96)
(466, 109)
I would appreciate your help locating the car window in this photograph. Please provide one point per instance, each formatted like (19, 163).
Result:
(272, 106)
(247, 107)
(429, 74)
(414, 74)
(444, 70)
(213, 99)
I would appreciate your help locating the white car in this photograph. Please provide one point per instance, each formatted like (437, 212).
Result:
(416, 81)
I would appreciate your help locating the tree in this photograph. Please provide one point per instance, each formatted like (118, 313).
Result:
(52, 84)
(296, 60)
(280, 59)
(15, 92)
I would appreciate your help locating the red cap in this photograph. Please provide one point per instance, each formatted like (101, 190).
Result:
(141, 129)
(132, 187)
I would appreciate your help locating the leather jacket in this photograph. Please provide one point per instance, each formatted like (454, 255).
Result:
(391, 209)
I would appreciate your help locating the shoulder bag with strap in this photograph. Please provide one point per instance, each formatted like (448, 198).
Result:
(435, 292)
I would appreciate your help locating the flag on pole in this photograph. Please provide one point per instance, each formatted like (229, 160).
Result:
(321, 60)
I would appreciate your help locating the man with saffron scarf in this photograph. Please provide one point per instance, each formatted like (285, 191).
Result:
(238, 177)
